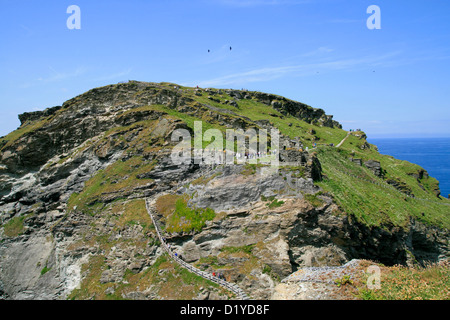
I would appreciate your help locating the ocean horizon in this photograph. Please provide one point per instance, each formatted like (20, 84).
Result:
(432, 154)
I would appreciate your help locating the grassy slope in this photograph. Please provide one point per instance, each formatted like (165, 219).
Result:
(403, 283)
(255, 111)
(368, 202)
(376, 202)
(430, 282)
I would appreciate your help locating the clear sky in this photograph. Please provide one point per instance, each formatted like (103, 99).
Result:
(392, 81)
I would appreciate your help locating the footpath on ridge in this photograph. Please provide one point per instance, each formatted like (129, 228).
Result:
(343, 140)
(382, 183)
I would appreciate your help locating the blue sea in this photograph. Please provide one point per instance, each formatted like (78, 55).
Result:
(432, 154)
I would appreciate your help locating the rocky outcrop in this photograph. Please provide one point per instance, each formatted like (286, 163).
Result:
(320, 283)
(400, 186)
(292, 236)
(36, 115)
(356, 161)
(374, 166)
(73, 181)
(296, 109)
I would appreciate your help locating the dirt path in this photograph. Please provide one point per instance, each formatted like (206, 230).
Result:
(343, 140)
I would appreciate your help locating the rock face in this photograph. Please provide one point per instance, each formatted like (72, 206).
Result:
(375, 166)
(296, 109)
(73, 180)
(318, 283)
(33, 116)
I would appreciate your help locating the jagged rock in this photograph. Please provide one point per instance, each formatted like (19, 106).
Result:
(32, 116)
(357, 161)
(420, 174)
(66, 186)
(375, 166)
(401, 186)
(190, 252)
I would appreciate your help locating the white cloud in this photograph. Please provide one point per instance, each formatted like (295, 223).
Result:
(58, 76)
(55, 76)
(113, 76)
(270, 73)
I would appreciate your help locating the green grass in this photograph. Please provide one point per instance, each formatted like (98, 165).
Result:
(272, 202)
(45, 270)
(188, 119)
(15, 227)
(418, 283)
(314, 200)
(210, 261)
(299, 128)
(264, 198)
(255, 111)
(134, 212)
(393, 168)
(295, 171)
(248, 169)
(27, 127)
(275, 204)
(245, 249)
(186, 219)
(377, 204)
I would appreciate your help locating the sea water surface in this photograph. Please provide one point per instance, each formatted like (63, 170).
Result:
(432, 154)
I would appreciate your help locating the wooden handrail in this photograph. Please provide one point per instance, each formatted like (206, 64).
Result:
(230, 286)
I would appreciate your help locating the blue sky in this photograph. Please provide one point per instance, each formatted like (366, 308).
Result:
(392, 82)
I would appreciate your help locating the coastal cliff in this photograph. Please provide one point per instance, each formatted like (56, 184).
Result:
(74, 180)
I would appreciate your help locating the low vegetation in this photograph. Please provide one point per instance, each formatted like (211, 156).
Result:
(110, 196)
(314, 200)
(179, 217)
(167, 279)
(15, 226)
(272, 202)
(410, 283)
(121, 177)
(370, 199)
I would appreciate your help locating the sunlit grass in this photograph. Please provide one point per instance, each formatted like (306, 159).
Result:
(418, 283)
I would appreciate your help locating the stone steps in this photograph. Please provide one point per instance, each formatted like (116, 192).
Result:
(230, 286)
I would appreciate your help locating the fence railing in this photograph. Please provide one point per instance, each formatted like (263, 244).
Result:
(230, 286)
